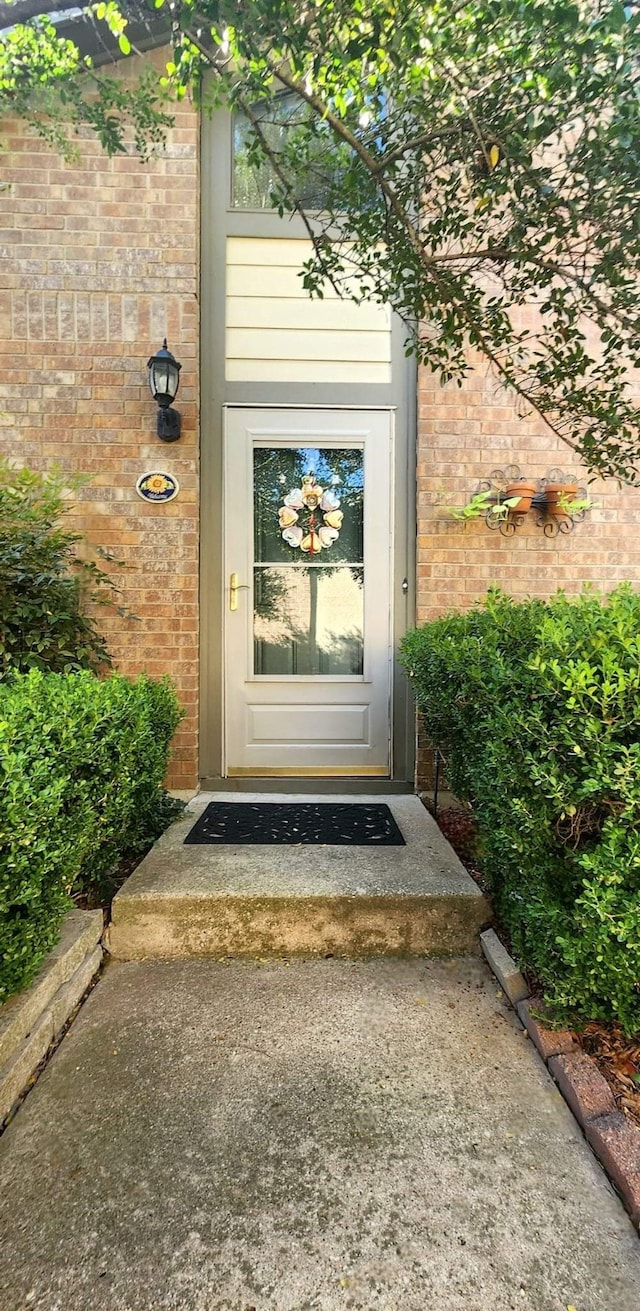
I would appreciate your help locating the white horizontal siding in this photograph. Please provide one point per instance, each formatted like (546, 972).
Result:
(268, 250)
(275, 332)
(306, 371)
(263, 344)
(253, 280)
(329, 315)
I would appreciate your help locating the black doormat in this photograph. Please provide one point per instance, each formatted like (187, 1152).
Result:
(291, 824)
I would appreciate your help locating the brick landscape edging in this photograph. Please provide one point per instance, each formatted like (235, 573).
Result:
(614, 1139)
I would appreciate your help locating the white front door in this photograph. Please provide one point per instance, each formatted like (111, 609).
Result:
(308, 550)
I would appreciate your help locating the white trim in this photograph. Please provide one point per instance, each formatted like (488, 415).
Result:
(371, 691)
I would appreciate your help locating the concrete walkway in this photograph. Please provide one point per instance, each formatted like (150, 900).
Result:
(318, 1136)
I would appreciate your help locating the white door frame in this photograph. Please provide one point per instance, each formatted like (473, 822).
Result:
(314, 725)
(218, 221)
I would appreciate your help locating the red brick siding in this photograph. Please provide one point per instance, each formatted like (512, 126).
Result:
(98, 261)
(465, 433)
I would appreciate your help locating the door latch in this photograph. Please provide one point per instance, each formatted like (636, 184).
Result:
(234, 588)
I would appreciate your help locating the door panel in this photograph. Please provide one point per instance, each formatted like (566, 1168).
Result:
(325, 723)
(308, 568)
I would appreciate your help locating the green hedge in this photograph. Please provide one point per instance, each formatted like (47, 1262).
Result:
(46, 578)
(81, 767)
(536, 708)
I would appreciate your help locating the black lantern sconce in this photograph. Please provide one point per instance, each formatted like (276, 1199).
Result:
(164, 379)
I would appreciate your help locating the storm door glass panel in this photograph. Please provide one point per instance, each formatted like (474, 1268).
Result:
(308, 561)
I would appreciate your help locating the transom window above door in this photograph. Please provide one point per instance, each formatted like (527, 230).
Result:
(254, 182)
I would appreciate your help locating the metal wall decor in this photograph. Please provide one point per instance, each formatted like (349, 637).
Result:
(561, 503)
(310, 502)
(157, 486)
(558, 501)
(500, 488)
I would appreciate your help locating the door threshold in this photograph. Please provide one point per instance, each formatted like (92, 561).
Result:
(315, 786)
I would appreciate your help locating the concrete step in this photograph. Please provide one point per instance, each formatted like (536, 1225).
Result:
(228, 900)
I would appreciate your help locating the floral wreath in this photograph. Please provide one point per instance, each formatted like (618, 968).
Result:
(313, 500)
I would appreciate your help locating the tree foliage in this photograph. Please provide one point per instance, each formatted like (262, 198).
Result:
(45, 584)
(473, 161)
(45, 79)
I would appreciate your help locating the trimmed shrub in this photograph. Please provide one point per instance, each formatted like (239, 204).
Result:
(44, 583)
(536, 709)
(81, 767)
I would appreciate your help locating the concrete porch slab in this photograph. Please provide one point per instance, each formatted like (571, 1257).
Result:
(277, 900)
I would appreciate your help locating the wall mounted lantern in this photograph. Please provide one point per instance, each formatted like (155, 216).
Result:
(164, 379)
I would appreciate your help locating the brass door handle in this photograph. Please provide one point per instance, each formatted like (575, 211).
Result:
(234, 588)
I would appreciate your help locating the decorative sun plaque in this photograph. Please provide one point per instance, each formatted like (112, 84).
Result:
(158, 487)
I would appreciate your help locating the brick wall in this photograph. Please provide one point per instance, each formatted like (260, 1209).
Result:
(98, 262)
(464, 434)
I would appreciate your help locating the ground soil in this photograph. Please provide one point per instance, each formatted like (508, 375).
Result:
(98, 895)
(101, 898)
(459, 829)
(617, 1057)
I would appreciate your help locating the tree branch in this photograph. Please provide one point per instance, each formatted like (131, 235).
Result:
(424, 139)
(429, 263)
(283, 179)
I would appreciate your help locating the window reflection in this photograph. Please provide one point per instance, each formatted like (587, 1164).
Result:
(308, 619)
(308, 553)
(278, 471)
(254, 181)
